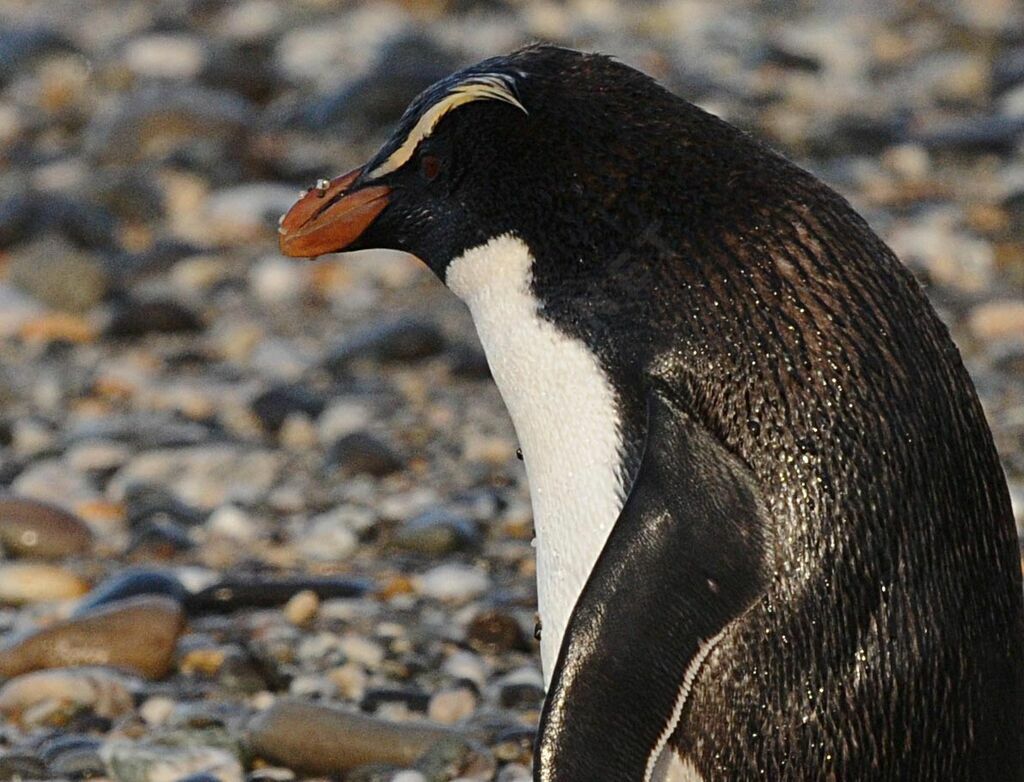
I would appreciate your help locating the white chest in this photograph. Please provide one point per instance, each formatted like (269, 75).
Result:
(564, 412)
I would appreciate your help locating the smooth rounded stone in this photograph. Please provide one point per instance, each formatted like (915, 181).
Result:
(318, 52)
(41, 697)
(270, 774)
(17, 219)
(131, 582)
(58, 275)
(408, 775)
(246, 212)
(73, 756)
(327, 539)
(515, 744)
(30, 528)
(361, 453)
(151, 761)
(146, 501)
(468, 362)
(1008, 69)
(495, 632)
(44, 479)
(20, 46)
(976, 135)
(514, 772)
(38, 582)
(146, 430)
(233, 594)
(273, 406)
(466, 759)
(21, 764)
(452, 705)
(56, 220)
(277, 281)
(245, 67)
(137, 318)
(301, 609)
(404, 67)
(132, 194)
(204, 476)
(316, 739)
(399, 341)
(998, 320)
(452, 582)
(17, 311)
(234, 523)
(411, 700)
(157, 120)
(437, 532)
(521, 695)
(165, 56)
(158, 539)
(138, 634)
(462, 664)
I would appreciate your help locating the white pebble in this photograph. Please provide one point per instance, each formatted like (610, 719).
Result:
(409, 775)
(230, 521)
(325, 540)
(468, 666)
(274, 280)
(451, 706)
(452, 582)
(165, 56)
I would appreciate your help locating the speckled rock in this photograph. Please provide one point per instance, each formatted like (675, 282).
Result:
(59, 275)
(49, 697)
(152, 761)
(137, 634)
(29, 528)
(317, 739)
(204, 476)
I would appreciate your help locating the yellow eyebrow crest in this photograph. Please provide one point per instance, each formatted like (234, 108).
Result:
(483, 87)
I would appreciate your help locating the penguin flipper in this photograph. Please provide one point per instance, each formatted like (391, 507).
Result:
(685, 557)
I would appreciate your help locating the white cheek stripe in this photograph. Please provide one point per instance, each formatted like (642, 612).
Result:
(485, 87)
(684, 692)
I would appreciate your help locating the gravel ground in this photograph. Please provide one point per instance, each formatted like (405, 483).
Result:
(264, 519)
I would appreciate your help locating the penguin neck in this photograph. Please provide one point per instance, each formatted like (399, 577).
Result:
(566, 415)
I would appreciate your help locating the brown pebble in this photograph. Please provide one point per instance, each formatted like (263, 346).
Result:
(28, 697)
(302, 608)
(998, 320)
(494, 632)
(29, 528)
(314, 739)
(38, 582)
(137, 634)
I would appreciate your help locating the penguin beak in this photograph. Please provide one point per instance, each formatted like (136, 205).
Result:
(330, 217)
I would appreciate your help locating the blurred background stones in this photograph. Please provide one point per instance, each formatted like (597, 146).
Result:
(263, 519)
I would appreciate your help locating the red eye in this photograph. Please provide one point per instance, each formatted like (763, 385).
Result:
(430, 167)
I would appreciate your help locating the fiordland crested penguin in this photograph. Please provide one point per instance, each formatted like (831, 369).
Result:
(774, 538)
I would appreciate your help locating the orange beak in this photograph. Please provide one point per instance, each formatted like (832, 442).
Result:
(328, 219)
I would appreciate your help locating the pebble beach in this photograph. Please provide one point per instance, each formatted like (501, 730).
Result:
(263, 519)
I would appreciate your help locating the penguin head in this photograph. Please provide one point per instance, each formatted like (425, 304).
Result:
(530, 145)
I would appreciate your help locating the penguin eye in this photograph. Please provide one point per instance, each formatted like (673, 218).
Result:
(430, 167)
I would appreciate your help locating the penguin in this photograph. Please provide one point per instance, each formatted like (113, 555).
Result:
(774, 540)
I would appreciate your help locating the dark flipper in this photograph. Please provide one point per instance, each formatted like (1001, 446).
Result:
(685, 557)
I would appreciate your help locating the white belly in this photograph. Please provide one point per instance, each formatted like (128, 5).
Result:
(564, 412)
